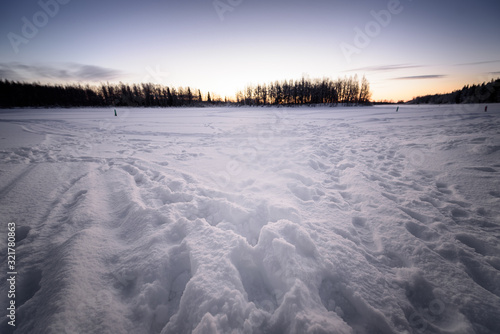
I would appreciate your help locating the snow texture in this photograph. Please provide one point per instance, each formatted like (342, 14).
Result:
(253, 220)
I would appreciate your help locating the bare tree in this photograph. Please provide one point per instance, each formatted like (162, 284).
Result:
(364, 92)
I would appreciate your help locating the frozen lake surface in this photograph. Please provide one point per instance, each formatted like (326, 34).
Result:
(253, 220)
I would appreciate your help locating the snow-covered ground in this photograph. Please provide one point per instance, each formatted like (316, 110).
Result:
(253, 220)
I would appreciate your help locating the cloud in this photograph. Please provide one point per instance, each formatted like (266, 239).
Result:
(90, 72)
(419, 77)
(7, 73)
(69, 72)
(384, 68)
(479, 63)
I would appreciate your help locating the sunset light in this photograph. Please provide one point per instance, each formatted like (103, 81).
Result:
(405, 48)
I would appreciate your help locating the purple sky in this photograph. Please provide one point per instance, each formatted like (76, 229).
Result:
(405, 48)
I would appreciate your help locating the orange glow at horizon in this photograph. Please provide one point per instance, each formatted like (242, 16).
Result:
(407, 89)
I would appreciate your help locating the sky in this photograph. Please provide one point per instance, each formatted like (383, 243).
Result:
(405, 48)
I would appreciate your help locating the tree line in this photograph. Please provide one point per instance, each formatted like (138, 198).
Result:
(16, 94)
(348, 91)
(487, 92)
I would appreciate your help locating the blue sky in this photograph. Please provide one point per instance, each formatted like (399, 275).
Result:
(413, 48)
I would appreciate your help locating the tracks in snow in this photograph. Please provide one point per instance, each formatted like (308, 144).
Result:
(335, 219)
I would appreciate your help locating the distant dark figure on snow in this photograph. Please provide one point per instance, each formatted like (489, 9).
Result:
(485, 108)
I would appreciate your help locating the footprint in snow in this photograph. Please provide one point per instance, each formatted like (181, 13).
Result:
(365, 233)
